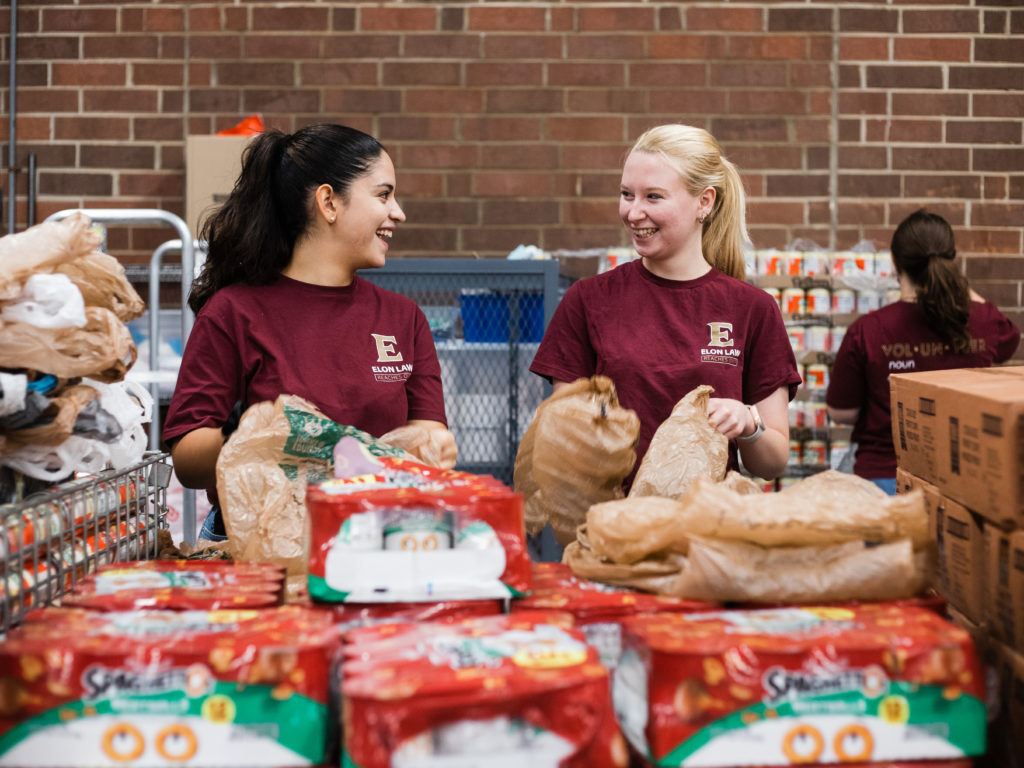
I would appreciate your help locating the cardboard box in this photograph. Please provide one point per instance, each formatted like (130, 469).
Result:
(1005, 586)
(212, 164)
(963, 431)
(1006, 744)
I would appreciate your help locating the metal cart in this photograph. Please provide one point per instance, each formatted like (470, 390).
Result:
(51, 540)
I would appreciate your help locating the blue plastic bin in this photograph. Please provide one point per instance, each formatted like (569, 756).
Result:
(486, 316)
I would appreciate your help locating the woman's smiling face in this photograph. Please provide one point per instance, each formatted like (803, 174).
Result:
(369, 215)
(660, 214)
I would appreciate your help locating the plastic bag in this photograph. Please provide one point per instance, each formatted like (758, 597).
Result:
(102, 350)
(56, 463)
(58, 420)
(103, 283)
(47, 301)
(685, 448)
(422, 443)
(41, 248)
(577, 451)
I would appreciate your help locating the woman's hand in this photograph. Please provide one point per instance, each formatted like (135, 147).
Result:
(765, 457)
(430, 441)
(730, 417)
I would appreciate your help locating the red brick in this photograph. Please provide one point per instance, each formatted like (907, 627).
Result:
(764, 75)
(865, 157)
(345, 100)
(504, 73)
(984, 159)
(362, 46)
(453, 19)
(585, 129)
(127, 46)
(946, 21)
(868, 20)
(150, 184)
(600, 47)
(145, 73)
(416, 128)
(630, 18)
(391, 18)
(440, 156)
(511, 212)
(1016, 190)
(525, 101)
(646, 74)
(998, 49)
(729, 20)
(949, 104)
(749, 129)
(809, 74)
(204, 19)
(622, 101)
(215, 99)
(930, 159)
(989, 241)
(765, 102)
(994, 187)
(944, 185)
(997, 105)
(995, 22)
(290, 18)
(669, 19)
(164, 20)
(519, 156)
(167, 128)
(931, 49)
(913, 131)
(1017, 22)
(604, 74)
(860, 213)
(496, 243)
(250, 73)
(905, 76)
(785, 47)
(667, 46)
(71, 19)
(863, 48)
(984, 132)
(799, 20)
(997, 215)
(509, 183)
(337, 73)
(452, 212)
(215, 46)
(812, 129)
(868, 185)
(582, 237)
(109, 128)
(504, 19)
(523, 46)
(799, 185)
(995, 268)
(423, 184)
(287, 100)
(999, 293)
(132, 100)
(269, 46)
(47, 48)
(851, 76)
(441, 100)
(408, 73)
(425, 240)
(83, 73)
(987, 78)
(47, 100)
(456, 46)
(67, 183)
(505, 128)
(773, 211)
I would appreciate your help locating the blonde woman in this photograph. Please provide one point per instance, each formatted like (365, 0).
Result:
(681, 315)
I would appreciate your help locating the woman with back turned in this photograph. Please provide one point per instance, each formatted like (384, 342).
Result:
(281, 310)
(938, 323)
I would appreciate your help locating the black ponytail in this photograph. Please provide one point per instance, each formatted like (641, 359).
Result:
(250, 238)
(923, 249)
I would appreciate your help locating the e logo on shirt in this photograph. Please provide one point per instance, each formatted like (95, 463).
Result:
(719, 338)
(720, 335)
(386, 352)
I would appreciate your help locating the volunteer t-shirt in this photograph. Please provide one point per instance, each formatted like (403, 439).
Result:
(361, 354)
(657, 339)
(896, 339)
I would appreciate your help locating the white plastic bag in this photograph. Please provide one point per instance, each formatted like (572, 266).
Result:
(47, 301)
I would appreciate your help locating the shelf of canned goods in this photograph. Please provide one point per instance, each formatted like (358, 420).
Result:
(50, 540)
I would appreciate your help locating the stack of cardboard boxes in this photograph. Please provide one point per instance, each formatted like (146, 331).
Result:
(959, 435)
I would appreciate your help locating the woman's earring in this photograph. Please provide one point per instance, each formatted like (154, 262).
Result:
(700, 219)
(331, 220)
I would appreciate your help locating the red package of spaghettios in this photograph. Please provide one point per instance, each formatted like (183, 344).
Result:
(596, 608)
(349, 616)
(813, 685)
(249, 689)
(416, 537)
(200, 585)
(516, 690)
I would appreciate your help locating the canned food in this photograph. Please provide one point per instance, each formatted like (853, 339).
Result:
(839, 450)
(815, 415)
(796, 337)
(844, 301)
(769, 262)
(794, 301)
(815, 453)
(838, 332)
(793, 262)
(776, 294)
(883, 264)
(796, 413)
(819, 301)
(868, 301)
(852, 263)
(817, 338)
(815, 263)
(816, 376)
(795, 452)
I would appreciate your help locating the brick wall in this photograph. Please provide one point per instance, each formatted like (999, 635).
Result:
(508, 120)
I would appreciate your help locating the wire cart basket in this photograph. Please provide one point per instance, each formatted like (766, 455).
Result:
(51, 540)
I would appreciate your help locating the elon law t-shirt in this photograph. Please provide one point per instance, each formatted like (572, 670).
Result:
(657, 339)
(895, 339)
(363, 355)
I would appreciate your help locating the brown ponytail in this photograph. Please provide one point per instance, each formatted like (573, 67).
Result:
(923, 250)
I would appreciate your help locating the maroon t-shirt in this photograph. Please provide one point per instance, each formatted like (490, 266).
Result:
(657, 339)
(895, 339)
(361, 354)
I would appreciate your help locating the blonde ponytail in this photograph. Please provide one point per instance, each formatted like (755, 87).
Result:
(698, 159)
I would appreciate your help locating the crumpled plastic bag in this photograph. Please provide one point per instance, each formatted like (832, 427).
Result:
(102, 281)
(46, 301)
(262, 473)
(75, 410)
(57, 463)
(422, 443)
(41, 248)
(684, 448)
(576, 452)
(102, 350)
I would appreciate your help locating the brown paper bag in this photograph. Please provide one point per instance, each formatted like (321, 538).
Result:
(577, 451)
(684, 448)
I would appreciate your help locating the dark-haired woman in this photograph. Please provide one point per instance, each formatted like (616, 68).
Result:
(281, 310)
(938, 323)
